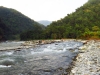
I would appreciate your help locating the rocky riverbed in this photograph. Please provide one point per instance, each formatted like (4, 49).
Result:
(46, 57)
(88, 60)
(15, 45)
(86, 63)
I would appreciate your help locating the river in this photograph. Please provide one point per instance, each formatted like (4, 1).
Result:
(48, 59)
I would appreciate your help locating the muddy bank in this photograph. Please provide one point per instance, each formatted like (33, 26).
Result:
(88, 60)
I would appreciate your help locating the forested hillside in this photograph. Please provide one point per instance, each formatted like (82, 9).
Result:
(12, 23)
(83, 23)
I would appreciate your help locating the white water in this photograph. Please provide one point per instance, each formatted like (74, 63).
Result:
(41, 60)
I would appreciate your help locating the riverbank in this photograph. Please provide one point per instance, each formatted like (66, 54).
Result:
(15, 45)
(86, 63)
(47, 59)
(88, 60)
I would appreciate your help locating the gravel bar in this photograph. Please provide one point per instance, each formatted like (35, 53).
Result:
(88, 60)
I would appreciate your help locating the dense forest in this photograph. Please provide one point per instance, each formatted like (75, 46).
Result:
(84, 23)
(13, 23)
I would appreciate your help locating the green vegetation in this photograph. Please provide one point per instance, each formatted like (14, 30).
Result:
(83, 23)
(94, 34)
(13, 23)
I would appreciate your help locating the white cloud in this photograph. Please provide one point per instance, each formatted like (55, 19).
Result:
(44, 9)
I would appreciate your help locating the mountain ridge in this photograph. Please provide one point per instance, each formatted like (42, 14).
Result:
(16, 22)
(44, 22)
(83, 23)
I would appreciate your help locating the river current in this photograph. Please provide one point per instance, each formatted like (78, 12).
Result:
(48, 59)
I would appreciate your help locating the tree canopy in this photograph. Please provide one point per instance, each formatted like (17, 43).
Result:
(77, 24)
(83, 23)
(13, 23)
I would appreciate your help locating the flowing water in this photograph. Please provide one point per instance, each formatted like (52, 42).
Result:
(49, 59)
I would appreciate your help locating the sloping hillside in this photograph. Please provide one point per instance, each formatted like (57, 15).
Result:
(84, 22)
(16, 22)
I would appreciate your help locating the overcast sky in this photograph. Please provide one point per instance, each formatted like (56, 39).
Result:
(44, 9)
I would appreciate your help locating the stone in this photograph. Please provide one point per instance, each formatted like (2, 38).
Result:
(88, 62)
(82, 48)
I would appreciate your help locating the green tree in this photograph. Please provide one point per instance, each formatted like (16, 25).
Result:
(95, 28)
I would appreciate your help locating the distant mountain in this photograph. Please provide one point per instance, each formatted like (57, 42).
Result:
(13, 23)
(45, 22)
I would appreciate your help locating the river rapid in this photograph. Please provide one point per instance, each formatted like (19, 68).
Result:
(48, 59)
